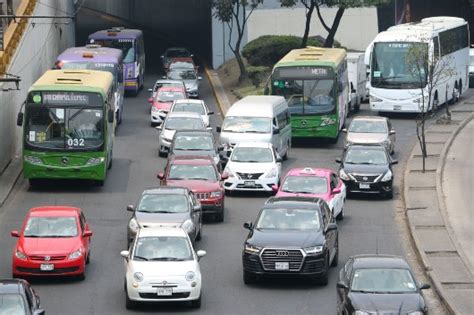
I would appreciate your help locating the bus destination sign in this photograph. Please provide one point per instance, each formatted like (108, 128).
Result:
(301, 73)
(65, 98)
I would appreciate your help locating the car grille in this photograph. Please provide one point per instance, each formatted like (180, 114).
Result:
(312, 265)
(252, 263)
(293, 256)
(154, 296)
(43, 257)
(365, 178)
(242, 186)
(249, 175)
(201, 196)
(55, 271)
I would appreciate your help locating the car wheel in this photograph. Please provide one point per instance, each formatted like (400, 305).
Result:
(129, 304)
(324, 279)
(220, 216)
(335, 260)
(196, 303)
(340, 215)
(287, 153)
(162, 154)
(88, 259)
(249, 278)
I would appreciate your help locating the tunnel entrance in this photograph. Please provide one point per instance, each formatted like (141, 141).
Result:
(165, 23)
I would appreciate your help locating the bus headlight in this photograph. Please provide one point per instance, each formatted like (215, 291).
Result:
(130, 73)
(95, 161)
(33, 160)
(374, 99)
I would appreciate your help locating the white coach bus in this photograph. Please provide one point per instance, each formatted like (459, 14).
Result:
(393, 88)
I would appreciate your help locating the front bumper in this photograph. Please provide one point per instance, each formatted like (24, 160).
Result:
(261, 184)
(212, 206)
(373, 188)
(192, 93)
(131, 84)
(63, 267)
(44, 171)
(164, 145)
(407, 106)
(146, 291)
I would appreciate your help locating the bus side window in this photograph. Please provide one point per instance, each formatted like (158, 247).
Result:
(436, 46)
(120, 73)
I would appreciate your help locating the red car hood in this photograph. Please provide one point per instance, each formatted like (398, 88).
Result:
(50, 246)
(326, 197)
(197, 186)
(162, 105)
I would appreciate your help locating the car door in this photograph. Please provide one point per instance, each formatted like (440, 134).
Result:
(344, 276)
(278, 164)
(195, 215)
(331, 235)
(338, 199)
(84, 227)
(391, 136)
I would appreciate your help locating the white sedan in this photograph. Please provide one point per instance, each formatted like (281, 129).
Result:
(253, 166)
(162, 266)
(191, 105)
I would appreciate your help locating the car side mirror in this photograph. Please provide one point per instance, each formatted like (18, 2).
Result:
(425, 286)
(199, 78)
(331, 227)
(125, 254)
(344, 130)
(131, 208)
(276, 131)
(279, 159)
(248, 225)
(218, 129)
(110, 116)
(200, 253)
(336, 191)
(393, 162)
(39, 312)
(338, 160)
(342, 285)
(87, 234)
(15, 233)
(224, 176)
(159, 128)
(19, 119)
(160, 176)
(392, 132)
(150, 100)
(150, 90)
(275, 188)
(210, 113)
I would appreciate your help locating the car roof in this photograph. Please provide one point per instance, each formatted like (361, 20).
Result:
(191, 160)
(379, 261)
(54, 211)
(309, 171)
(11, 286)
(189, 100)
(165, 190)
(253, 145)
(370, 118)
(162, 231)
(293, 202)
(184, 114)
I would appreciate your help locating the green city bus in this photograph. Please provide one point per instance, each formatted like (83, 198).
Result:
(68, 126)
(315, 83)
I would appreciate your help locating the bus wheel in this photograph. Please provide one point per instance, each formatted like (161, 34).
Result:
(99, 183)
(33, 182)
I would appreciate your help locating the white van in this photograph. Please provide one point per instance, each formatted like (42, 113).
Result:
(257, 118)
(357, 78)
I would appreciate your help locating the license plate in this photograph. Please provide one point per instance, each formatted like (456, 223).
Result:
(47, 267)
(249, 183)
(282, 266)
(397, 107)
(364, 186)
(164, 292)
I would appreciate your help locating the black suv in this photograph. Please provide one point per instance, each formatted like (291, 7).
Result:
(291, 236)
(18, 297)
(367, 169)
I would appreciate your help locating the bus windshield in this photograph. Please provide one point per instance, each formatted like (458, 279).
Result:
(389, 69)
(126, 45)
(63, 124)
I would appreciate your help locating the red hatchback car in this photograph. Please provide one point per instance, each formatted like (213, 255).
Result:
(161, 103)
(54, 240)
(200, 175)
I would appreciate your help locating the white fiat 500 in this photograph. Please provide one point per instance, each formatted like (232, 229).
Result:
(253, 166)
(162, 266)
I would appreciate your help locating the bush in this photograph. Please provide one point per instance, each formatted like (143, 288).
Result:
(269, 49)
(257, 74)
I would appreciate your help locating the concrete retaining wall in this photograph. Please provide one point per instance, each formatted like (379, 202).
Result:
(38, 49)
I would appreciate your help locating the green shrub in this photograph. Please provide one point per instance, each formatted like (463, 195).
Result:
(257, 74)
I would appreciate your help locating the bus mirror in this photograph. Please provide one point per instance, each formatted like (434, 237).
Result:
(110, 116)
(19, 119)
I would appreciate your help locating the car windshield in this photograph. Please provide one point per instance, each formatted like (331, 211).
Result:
(161, 83)
(383, 280)
(182, 74)
(365, 156)
(172, 203)
(368, 126)
(288, 219)
(190, 172)
(177, 53)
(51, 227)
(193, 143)
(305, 184)
(162, 249)
(189, 107)
(12, 304)
(169, 96)
(181, 65)
(247, 124)
(180, 123)
(252, 155)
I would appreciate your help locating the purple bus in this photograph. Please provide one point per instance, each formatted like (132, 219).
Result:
(130, 41)
(95, 57)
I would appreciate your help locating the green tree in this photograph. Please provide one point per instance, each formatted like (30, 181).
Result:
(235, 13)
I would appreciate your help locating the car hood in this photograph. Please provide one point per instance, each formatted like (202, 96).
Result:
(211, 153)
(326, 197)
(387, 303)
(357, 137)
(152, 269)
(236, 137)
(50, 246)
(365, 169)
(162, 105)
(250, 167)
(161, 219)
(272, 238)
(196, 185)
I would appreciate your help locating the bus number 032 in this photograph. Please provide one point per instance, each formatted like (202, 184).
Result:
(75, 142)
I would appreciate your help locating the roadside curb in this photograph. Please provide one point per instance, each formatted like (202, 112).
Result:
(9, 178)
(218, 90)
(441, 255)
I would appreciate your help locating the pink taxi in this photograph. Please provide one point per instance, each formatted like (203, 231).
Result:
(315, 182)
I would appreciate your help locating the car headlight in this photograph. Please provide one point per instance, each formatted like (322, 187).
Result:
(138, 276)
(343, 175)
(190, 275)
(252, 249)
(76, 254)
(313, 250)
(165, 139)
(33, 159)
(216, 194)
(273, 173)
(375, 99)
(188, 226)
(20, 255)
(228, 172)
(133, 225)
(387, 176)
(95, 161)
(361, 313)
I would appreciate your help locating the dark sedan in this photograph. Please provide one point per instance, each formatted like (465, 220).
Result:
(292, 236)
(379, 284)
(19, 298)
(367, 169)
